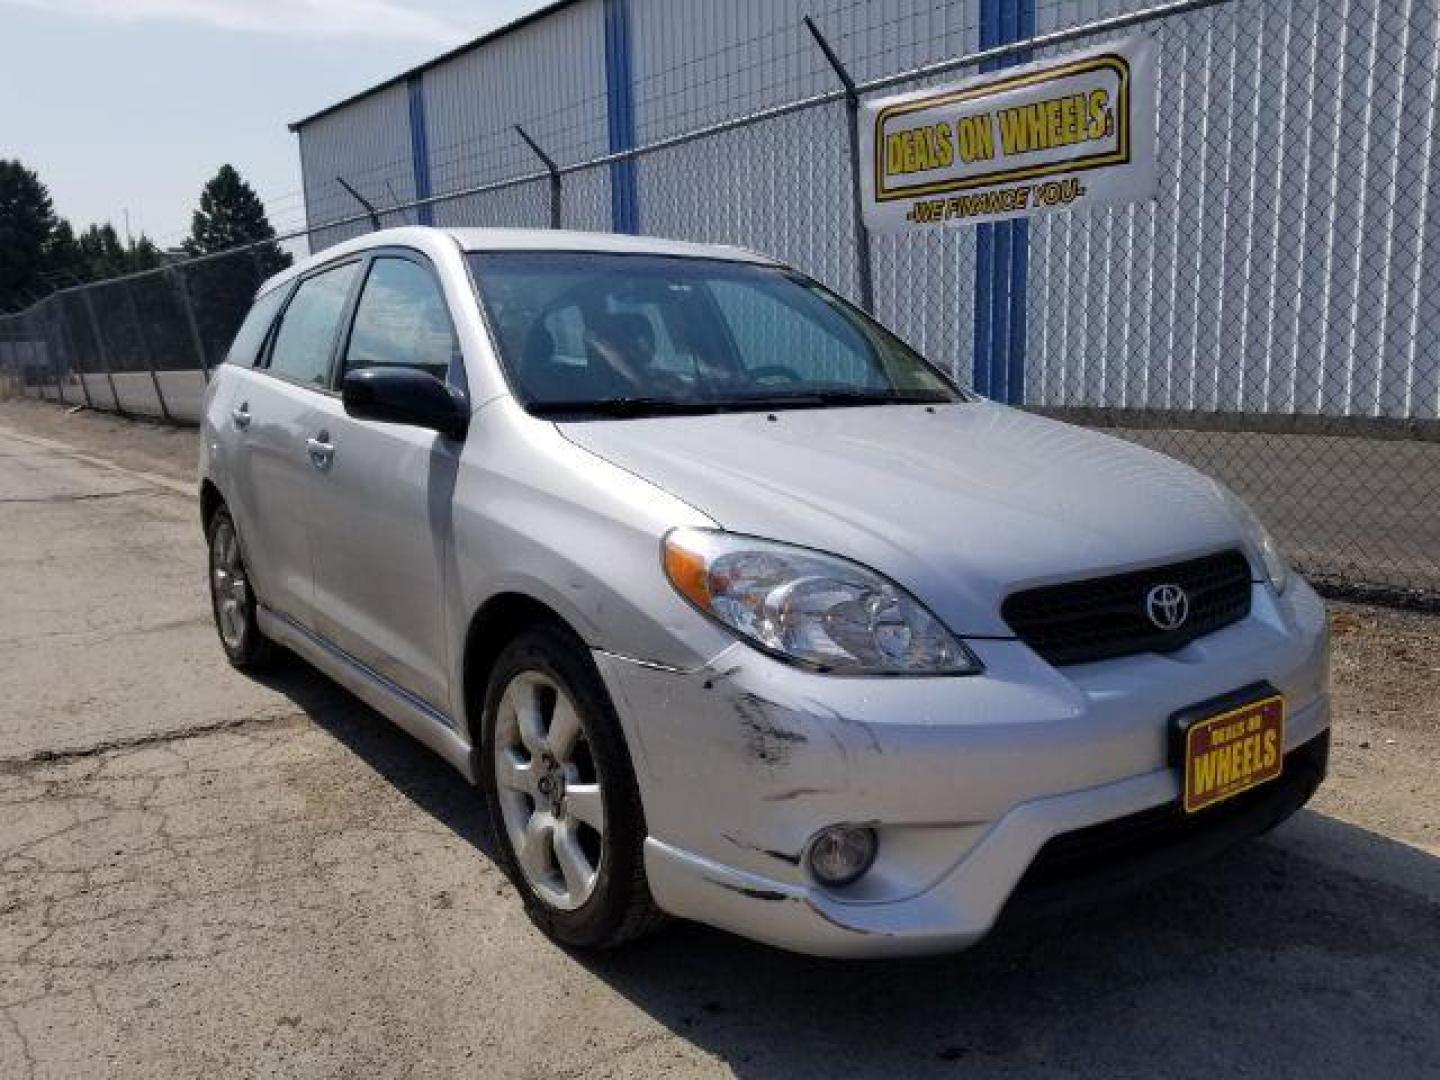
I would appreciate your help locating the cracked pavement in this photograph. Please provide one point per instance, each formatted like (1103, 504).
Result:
(204, 875)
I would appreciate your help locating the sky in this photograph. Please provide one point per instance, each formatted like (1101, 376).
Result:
(131, 105)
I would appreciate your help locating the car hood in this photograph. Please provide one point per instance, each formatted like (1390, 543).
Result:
(961, 504)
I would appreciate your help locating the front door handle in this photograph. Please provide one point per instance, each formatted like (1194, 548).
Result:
(241, 415)
(321, 450)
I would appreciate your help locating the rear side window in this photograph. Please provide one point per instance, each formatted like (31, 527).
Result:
(402, 321)
(306, 338)
(245, 349)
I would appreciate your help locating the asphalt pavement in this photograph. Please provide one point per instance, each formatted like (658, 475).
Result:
(202, 875)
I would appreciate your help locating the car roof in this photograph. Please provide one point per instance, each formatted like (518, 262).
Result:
(569, 240)
(423, 238)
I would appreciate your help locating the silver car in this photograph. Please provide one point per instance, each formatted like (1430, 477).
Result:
(735, 608)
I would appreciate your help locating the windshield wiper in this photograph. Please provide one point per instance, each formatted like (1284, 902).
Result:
(819, 399)
(630, 407)
(626, 407)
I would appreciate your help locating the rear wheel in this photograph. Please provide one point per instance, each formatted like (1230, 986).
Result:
(561, 791)
(232, 601)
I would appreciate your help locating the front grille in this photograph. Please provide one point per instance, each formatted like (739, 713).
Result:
(1105, 617)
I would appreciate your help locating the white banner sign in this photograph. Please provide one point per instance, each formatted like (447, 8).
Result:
(1061, 134)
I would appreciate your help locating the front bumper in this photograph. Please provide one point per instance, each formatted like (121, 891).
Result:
(965, 780)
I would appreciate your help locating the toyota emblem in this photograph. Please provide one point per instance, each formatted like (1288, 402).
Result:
(1167, 606)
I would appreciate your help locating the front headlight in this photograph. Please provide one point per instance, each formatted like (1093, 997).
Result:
(819, 610)
(1276, 568)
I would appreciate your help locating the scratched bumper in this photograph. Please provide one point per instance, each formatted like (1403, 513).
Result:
(740, 762)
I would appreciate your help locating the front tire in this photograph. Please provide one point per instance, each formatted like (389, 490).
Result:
(232, 600)
(561, 791)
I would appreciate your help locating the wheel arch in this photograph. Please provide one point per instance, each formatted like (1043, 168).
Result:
(493, 626)
(210, 501)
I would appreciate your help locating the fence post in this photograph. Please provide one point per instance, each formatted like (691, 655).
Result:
(69, 333)
(552, 169)
(10, 363)
(42, 323)
(52, 343)
(34, 344)
(100, 348)
(144, 341)
(852, 113)
(7, 359)
(369, 207)
(178, 276)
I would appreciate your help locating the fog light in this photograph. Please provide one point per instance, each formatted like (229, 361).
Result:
(841, 853)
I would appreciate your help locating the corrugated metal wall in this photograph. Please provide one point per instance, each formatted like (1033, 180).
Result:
(548, 76)
(368, 143)
(699, 61)
(1290, 264)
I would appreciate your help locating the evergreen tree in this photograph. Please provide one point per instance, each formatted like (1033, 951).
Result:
(231, 214)
(142, 254)
(27, 223)
(98, 253)
(63, 260)
(101, 253)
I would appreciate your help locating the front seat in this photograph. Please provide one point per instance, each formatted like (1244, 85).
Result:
(542, 375)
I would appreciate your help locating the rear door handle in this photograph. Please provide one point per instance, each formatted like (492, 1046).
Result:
(321, 450)
(241, 415)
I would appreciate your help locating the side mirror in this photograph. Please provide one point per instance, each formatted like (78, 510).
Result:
(399, 395)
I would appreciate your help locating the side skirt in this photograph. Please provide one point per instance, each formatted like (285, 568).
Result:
(416, 717)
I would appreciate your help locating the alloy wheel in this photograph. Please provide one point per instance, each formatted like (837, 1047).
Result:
(549, 790)
(228, 582)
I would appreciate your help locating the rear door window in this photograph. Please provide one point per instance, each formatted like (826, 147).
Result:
(245, 350)
(305, 342)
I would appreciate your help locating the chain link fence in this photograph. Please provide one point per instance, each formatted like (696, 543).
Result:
(1271, 317)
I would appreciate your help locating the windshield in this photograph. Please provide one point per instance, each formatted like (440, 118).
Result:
(592, 334)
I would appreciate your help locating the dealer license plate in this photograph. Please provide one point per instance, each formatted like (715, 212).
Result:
(1233, 751)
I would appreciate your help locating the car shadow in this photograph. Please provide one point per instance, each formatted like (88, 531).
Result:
(1314, 952)
(410, 768)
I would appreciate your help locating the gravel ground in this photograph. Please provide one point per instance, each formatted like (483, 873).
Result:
(202, 875)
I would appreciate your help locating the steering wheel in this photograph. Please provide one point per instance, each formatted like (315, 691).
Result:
(644, 377)
(615, 360)
(775, 371)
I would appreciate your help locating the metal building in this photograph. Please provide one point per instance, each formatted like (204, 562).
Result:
(1290, 266)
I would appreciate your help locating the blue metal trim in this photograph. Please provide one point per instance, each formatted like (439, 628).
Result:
(1000, 311)
(1014, 359)
(1020, 247)
(1002, 248)
(1025, 27)
(984, 279)
(984, 335)
(620, 109)
(420, 147)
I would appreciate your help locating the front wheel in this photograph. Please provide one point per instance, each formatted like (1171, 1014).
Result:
(561, 791)
(232, 601)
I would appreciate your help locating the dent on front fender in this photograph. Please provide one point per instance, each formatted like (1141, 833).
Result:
(742, 763)
(760, 754)
(780, 751)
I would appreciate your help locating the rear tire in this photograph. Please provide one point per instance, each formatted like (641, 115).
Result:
(232, 600)
(561, 791)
